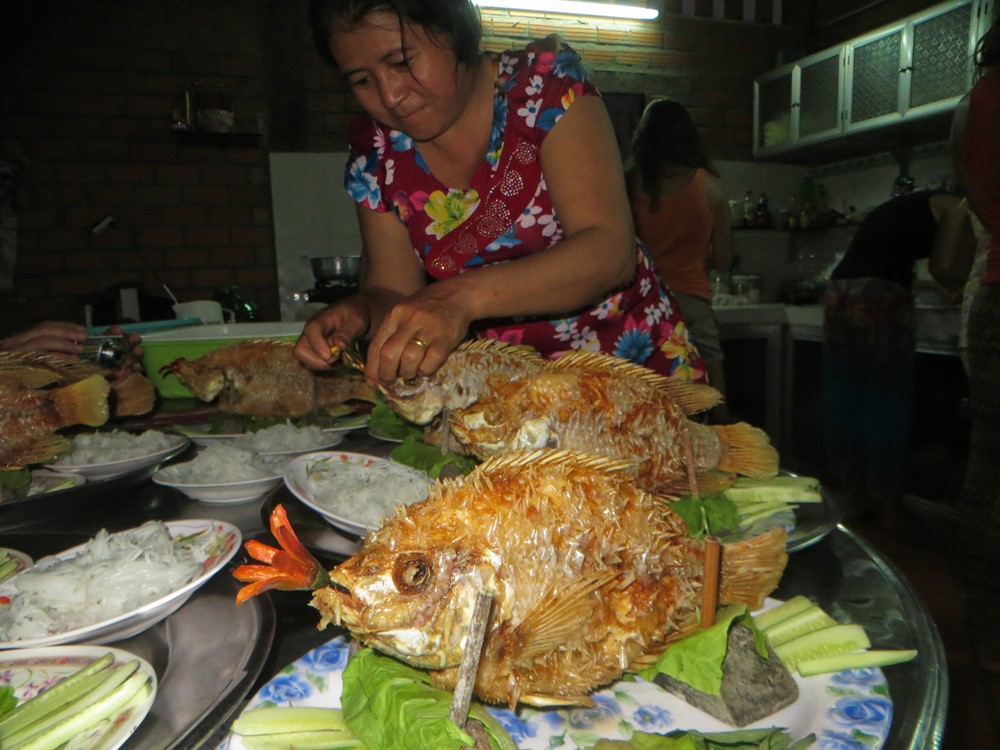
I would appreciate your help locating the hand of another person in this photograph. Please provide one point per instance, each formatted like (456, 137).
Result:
(330, 331)
(58, 337)
(418, 334)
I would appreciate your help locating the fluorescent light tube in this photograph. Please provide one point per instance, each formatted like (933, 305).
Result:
(574, 8)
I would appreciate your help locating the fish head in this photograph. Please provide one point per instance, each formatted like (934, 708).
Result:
(490, 427)
(417, 400)
(204, 382)
(414, 604)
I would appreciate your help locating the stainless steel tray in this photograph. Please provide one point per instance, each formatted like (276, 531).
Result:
(207, 656)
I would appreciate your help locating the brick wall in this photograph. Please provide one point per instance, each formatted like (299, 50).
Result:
(89, 86)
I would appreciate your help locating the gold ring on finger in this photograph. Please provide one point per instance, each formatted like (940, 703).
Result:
(419, 342)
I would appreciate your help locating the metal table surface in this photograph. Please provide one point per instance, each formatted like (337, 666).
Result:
(843, 573)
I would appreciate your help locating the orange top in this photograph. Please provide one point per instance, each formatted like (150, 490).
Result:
(678, 235)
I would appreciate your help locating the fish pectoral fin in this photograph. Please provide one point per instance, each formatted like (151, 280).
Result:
(555, 620)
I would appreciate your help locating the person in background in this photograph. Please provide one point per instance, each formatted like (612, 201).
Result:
(66, 339)
(477, 212)
(869, 343)
(681, 214)
(979, 505)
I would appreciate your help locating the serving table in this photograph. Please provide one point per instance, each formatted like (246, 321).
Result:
(211, 656)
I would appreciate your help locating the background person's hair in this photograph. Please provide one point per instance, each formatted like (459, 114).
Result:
(988, 47)
(454, 22)
(665, 137)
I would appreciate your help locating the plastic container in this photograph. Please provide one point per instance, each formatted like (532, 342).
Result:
(160, 349)
(745, 288)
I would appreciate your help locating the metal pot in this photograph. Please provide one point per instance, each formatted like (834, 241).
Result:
(335, 267)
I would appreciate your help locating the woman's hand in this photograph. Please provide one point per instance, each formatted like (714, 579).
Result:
(418, 333)
(330, 331)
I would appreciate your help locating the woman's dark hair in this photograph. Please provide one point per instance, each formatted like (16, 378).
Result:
(456, 22)
(988, 46)
(665, 137)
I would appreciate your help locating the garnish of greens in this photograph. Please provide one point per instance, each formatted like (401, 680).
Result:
(387, 705)
(75, 704)
(412, 450)
(742, 739)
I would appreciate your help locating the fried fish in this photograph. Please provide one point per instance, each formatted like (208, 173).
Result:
(592, 576)
(262, 378)
(603, 404)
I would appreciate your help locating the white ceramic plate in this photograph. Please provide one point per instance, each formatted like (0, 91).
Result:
(333, 439)
(375, 433)
(348, 423)
(28, 671)
(849, 709)
(110, 469)
(218, 540)
(297, 479)
(223, 493)
(21, 561)
(44, 481)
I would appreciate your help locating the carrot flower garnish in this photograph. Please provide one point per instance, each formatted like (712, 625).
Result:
(291, 568)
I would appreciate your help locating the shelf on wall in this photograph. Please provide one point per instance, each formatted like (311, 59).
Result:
(204, 138)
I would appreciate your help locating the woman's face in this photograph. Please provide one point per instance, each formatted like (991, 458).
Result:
(407, 81)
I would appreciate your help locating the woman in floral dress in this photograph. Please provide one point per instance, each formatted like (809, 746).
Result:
(467, 168)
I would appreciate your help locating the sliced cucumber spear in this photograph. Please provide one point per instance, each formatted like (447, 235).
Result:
(283, 719)
(64, 691)
(859, 660)
(87, 717)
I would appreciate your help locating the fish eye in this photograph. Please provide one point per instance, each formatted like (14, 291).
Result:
(412, 574)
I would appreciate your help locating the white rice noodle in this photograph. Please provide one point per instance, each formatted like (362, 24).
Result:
(366, 494)
(106, 447)
(112, 575)
(221, 463)
(283, 437)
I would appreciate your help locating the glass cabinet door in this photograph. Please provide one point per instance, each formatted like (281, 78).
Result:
(817, 96)
(772, 121)
(940, 70)
(876, 65)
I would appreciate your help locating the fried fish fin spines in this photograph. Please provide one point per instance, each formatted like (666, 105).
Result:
(746, 450)
(752, 568)
(44, 449)
(134, 394)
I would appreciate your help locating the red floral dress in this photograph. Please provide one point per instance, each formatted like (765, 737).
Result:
(507, 213)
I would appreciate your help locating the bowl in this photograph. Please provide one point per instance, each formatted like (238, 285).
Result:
(160, 349)
(304, 474)
(222, 493)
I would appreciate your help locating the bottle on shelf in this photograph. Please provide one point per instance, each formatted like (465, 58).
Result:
(762, 216)
(748, 209)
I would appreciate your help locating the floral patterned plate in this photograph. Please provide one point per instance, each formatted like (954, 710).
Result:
(849, 709)
(30, 671)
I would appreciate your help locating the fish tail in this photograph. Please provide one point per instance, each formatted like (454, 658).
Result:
(42, 450)
(84, 402)
(746, 450)
(752, 568)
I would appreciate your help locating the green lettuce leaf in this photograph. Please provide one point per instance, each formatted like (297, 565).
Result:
(418, 454)
(392, 706)
(387, 423)
(697, 658)
(708, 515)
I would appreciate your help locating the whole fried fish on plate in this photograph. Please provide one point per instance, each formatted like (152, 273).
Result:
(606, 405)
(131, 394)
(263, 378)
(593, 576)
(32, 412)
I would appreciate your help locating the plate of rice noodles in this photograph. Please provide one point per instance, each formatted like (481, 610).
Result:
(354, 491)
(103, 455)
(223, 474)
(113, 586)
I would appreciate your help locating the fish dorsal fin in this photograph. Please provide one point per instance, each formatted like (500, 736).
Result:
(690, 397)
(39, 369)
(520, 351)
(555, 619)
(550, 457)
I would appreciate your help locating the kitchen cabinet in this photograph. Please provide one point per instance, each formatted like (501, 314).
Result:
(903, 79)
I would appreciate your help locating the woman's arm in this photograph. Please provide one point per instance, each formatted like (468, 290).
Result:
(954, 245)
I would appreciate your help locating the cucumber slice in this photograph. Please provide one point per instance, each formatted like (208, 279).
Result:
(833, 641)
(315, 740)
(859, 660)
(806, 621)
(783, 611)
(283, 719)
(772, 494)
(782, 480)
